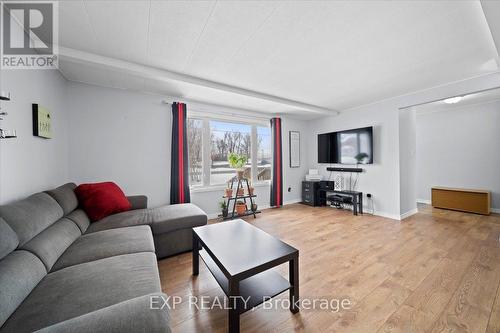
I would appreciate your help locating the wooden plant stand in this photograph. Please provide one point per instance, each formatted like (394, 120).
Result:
(234, 199)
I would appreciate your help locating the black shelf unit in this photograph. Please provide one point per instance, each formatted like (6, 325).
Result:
(310, 193)
(256, 289)
(239, 185)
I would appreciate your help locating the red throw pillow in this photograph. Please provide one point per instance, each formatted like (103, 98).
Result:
(99, 200)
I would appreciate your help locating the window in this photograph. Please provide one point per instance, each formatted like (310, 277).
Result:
(210, 142)
(194, 138)
(228, 138)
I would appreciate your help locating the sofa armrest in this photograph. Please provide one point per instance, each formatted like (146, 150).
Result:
(138, 201)
(134, 315)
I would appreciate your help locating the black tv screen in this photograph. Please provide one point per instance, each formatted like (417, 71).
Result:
(346, 147)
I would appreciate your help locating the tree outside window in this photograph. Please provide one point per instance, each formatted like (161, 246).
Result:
(215, 140)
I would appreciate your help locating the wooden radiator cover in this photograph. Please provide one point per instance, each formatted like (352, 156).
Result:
(465, 200)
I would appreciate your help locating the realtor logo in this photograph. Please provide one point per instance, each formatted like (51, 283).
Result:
(29, 34)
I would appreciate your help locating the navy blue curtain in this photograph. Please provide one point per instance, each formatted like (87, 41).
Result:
(179, 181)
(277, 174)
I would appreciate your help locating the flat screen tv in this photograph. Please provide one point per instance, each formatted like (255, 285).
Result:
(353, 146)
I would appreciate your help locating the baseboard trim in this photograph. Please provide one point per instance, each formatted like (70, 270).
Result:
(408, 214)
(424, 201)
(388, 215)
(293, 201)
(495, 210)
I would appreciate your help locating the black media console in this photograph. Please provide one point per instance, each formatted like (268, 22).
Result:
(314, 193)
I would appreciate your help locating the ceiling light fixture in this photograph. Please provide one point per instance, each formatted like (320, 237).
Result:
(453, 100)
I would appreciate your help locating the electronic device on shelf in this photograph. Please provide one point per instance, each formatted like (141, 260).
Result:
(313, 175)
(327, 185)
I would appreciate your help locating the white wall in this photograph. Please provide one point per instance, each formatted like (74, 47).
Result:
(120, 136)
(459, 148)
(293, 177)
(380, 178)
(407, 162)
(30, 164)
(125, 137)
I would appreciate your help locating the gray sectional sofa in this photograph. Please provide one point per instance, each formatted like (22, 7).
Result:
(61, 273)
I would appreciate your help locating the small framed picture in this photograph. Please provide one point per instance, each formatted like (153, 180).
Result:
(42, 122)
(294, 149)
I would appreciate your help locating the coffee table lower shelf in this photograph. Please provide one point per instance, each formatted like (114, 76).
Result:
(258, 287)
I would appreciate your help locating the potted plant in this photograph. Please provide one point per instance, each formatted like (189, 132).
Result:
(360, 157)
(241, 192)
(237, 162)
(241, 207)
(228, 191)
(223, 207)
(254, 207)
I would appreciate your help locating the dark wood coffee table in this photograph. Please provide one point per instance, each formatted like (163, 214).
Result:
(240, 256)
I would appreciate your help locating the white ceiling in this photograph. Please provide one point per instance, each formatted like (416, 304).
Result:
(331, 54)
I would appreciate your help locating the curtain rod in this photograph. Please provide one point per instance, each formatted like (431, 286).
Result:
(225, 113)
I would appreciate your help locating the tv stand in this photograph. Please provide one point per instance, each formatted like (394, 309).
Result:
(355, 198)
(314, 193)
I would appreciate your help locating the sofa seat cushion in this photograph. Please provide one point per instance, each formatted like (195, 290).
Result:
(105, 244)
(125, 219)
(80, 289)
(174, 217)
(130, 316)
(161, 219)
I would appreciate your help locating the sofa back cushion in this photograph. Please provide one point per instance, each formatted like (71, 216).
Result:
(8, 239)
(99, 200)
(65, 197)
(20, 272)
(31, 216)
(51, 243)
(80, 218)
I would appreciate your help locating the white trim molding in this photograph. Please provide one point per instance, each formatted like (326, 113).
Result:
(408, 214)
(424, 201)
(387, 215)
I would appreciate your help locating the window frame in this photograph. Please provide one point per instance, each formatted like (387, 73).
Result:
(205, 186)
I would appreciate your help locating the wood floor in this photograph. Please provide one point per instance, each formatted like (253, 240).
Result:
(437, 271)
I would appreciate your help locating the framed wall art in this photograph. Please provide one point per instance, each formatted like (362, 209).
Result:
(294, 149)
(42, 122)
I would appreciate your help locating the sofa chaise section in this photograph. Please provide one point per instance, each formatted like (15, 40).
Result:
(171, 225)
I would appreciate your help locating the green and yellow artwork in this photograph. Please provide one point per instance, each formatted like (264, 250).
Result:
(42, 124)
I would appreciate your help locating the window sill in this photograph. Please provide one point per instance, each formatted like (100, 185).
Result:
(215, 188)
